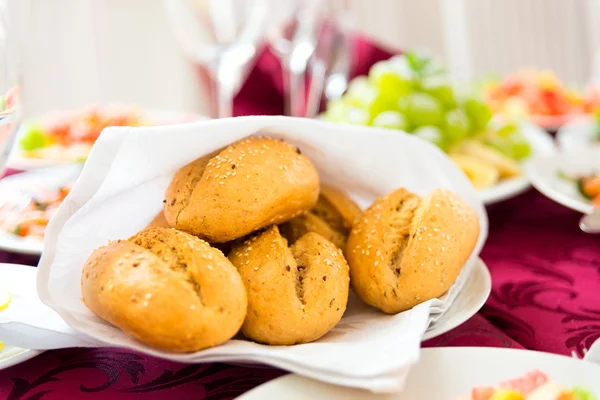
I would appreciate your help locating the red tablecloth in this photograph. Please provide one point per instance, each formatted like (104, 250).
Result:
(545, 296)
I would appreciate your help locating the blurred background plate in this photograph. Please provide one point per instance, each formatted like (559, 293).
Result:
(19, 160)
(541, 143)
(14, 277)
(476, 366)
(18, 186)
(545, 173)
(579, 134)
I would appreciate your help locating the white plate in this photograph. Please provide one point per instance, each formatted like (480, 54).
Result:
(18, 160)
(14, 277)
(541, 143)
(577, 135)
(13, 186)
(470, 300)
(466, 304)
(444, 373)
(543, 171)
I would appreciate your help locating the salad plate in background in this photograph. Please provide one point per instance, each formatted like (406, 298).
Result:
(569, 178)
(462, 373)
(413, 93)
(67, 137)
(579, 134)
(539, 97)
(27, 202)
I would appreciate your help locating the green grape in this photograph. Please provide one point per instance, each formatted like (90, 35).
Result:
(509, 140)
(456, 126)
(432, 134)
(390, 80)
(390, 120)
(583, 394)
(338, 111)
(479, 114)
(360, 93)
(34, 137)
(441, 89)
(380, 105)
(421, 109)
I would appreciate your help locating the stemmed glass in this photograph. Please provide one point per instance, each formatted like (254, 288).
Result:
(222, 35)
(293, 37)
(9, 99)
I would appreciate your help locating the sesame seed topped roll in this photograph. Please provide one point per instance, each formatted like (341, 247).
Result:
(249, 185)
(167, 289)
(406, 249)
(296, 294)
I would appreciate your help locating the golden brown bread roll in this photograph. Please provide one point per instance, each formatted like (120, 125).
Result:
(295, 294)
(167, 289)
(249, 185)
(159, 221)
(332, 217)
(406, 249)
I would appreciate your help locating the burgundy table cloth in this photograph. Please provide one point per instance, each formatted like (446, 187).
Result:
(545, 296)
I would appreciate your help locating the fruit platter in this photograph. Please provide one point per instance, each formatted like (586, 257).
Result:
(413, 93)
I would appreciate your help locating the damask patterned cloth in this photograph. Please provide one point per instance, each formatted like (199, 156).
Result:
(545, 296)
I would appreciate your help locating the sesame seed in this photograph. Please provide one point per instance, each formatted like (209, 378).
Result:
(376, 263)
(256, 268)
(378, 252)
(192, 307)
(148, 296)
(221, 183)
(443, 249)
(429, 249)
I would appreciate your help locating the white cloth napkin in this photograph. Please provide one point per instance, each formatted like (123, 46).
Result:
(121, 189)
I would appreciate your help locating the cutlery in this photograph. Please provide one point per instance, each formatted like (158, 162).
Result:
(590, 223)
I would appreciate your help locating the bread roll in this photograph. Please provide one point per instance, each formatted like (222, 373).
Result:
(406, 249)
(295, 294)
(167, 289)
(159, 221)
(249, 185)
(332, 217)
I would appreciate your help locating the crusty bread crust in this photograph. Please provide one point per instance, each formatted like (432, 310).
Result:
(249, 185)
(406, 250)
(295, 294)
(332, 217)
(166, 288)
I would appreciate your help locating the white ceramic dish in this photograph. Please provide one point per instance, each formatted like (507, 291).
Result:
(14, 186)
(443, 374)
(544, 173)
(15, 278)
(541, 143)
(579, 134)
(18, 160)
(468, 302)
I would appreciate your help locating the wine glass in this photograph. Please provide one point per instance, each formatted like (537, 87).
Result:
(222, 35)
(293, 37)
(9, 90)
